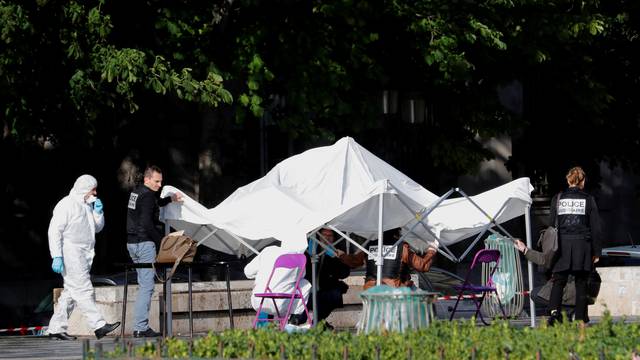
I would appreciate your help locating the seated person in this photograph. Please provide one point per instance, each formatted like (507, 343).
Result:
(330, 272)
(397, 263)
(283, 280)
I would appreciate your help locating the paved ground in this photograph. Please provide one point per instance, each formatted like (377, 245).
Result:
(41, 347)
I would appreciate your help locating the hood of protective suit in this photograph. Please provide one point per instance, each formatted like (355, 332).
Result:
(82, 186)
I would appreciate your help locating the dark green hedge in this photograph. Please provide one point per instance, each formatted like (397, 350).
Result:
(443, 340)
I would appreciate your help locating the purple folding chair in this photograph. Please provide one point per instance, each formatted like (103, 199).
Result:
(484, 256)
(287, 261)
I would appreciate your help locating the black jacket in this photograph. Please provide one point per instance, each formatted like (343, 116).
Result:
(331, 271)
(143, 215)
(579, 235)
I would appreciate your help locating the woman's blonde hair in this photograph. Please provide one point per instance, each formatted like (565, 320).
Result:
(575, 176)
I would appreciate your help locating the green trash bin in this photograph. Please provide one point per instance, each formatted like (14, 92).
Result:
(386, 308)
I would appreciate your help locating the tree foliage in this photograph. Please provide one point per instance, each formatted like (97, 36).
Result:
(62, 68)
(317, 69)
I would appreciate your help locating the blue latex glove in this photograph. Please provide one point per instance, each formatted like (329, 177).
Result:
(58, 265)
(311, 246)
(262, 319)
(330, 252)
(97, 207)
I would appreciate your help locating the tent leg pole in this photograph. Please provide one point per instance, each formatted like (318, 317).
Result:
(314, 285)
(532, 305)
(379, 255)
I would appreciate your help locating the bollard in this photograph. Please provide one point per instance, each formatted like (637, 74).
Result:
(86, 348)
(314, 352)
(473, 353)
(377, 352)
(98, 350)
(159, 348)
(130, 350)
(283, 354)
(538, 355)
(345, 353)
(190, 348)
(220, 349)
(409, 353)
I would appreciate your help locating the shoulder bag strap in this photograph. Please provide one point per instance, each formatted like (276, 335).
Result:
(175, 265)
(555, 225)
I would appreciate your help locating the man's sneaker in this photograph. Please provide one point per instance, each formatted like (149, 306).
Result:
(107, 328)
(62, 336)
(147, 333)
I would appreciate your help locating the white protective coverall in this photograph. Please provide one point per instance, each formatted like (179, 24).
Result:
(283, 280)
(72, 236)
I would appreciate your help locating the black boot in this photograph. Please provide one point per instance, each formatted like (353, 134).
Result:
(107, 328)
(298, 319)
(147, 333)
(554, 318)
(62, 336)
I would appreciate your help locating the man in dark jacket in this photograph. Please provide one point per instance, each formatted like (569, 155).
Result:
(143, 235)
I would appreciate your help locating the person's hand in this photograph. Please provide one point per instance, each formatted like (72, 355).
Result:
(57, 265)
(177, 197)
(595, 259)
(98, 208)
(339, 252)
(520, 246)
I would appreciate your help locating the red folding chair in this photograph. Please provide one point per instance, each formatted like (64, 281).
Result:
(479, 292)
(286, 261)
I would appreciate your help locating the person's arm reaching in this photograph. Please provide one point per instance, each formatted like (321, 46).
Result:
(353, 260)
(176, 197)
(536, 257)
(421, 263)
(164, 201)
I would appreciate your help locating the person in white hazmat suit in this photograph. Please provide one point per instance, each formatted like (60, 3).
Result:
(76, 219)
(283, 280)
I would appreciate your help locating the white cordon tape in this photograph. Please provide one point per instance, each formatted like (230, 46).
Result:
(470, 296)
(24, 329)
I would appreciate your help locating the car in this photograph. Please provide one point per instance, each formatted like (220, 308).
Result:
(626, 255)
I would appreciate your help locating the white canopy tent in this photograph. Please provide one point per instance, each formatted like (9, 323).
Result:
(342, 185)
(347, 188)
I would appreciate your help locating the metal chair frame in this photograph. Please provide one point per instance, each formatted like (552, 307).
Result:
(286, 261)
(484, 256)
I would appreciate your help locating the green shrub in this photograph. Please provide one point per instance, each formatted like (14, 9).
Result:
(443, 340)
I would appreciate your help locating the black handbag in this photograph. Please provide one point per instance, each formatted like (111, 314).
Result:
(593, 285)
